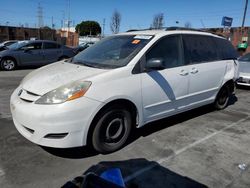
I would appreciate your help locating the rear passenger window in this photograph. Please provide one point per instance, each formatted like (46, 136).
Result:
(168, 49)
(50, 45)
(198, 49)
(225, 49)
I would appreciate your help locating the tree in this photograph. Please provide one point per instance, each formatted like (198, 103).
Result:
(115, 22)
(45, 27)
(158, 21)
(188, 25)
(88, 28)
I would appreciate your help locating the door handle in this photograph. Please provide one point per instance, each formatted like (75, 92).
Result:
(194, 71)
(183, 73)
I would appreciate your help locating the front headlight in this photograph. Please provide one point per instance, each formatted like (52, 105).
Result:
(65, 93)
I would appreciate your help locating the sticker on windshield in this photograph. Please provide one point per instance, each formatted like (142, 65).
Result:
(136, 41)
(145, 37)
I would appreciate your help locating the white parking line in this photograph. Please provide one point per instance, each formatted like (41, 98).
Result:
(160, 161)
(1, 172)
(235, 111)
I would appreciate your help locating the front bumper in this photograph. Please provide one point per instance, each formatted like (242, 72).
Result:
(244, 80)
(60, 126)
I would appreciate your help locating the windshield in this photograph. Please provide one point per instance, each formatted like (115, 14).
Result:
(245, 57)
(17, 45)
(112, 52)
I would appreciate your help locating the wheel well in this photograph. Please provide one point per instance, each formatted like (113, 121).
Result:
(9, 57)
(119, 102)
(230, 84)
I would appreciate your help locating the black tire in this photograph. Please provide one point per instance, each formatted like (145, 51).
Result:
(222, 98)
(112, 130)
(8, 64)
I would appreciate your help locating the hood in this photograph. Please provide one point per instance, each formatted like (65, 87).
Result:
(244, 67)
(5, 52)
(50, 77)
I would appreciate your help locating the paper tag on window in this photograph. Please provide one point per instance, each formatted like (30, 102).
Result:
(136, 41)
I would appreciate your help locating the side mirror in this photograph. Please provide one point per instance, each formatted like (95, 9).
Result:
(155, 64)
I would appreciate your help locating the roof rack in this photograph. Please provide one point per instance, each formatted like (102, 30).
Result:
(132, 30)
(182, 28)
(168, 29)
(179, 29)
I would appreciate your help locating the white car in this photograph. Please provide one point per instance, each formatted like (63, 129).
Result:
(122, 82)
(244, 70)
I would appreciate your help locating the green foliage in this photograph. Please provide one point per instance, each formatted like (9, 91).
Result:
(88, 28)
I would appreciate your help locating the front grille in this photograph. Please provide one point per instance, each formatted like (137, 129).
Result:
(28, 96)
(56, 135)
(30, 130)
(30, 93)
(29, 101)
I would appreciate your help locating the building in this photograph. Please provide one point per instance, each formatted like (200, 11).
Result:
(23, 33)
(240, 37)
(70, 38)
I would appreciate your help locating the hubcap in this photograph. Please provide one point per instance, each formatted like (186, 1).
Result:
(114, 130)
(8, 64)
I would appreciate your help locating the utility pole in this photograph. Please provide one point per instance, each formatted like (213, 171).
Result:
(52, 22)
(63, 19)
(103, 27)
(40, 15)
(203, 25)
(243, 22)
(245, 11)
(68, 15)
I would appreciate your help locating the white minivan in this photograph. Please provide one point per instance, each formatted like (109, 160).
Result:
(122, 82)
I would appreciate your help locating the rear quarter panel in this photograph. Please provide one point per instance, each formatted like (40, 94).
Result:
(231, 71)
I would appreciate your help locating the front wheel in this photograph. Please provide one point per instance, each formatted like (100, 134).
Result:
(112, 130)
(222, 98)
(8, 64)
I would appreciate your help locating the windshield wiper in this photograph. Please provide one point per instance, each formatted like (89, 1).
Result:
(86, 64)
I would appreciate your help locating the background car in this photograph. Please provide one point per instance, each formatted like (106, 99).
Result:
(83, 46)
(244, 70)
(35, 53)
(4, 45)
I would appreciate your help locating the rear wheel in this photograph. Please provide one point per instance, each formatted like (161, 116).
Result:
(112, 130)
(8, 64)
(222, 98)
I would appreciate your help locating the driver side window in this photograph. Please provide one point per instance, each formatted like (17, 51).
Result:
(169, 50)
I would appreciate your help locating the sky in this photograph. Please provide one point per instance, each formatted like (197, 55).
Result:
(135, 14)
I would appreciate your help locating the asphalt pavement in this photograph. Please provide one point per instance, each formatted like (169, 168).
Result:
(199, 148)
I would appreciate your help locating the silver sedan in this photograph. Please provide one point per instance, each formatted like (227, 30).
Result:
(35, 53)
(244, 70)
